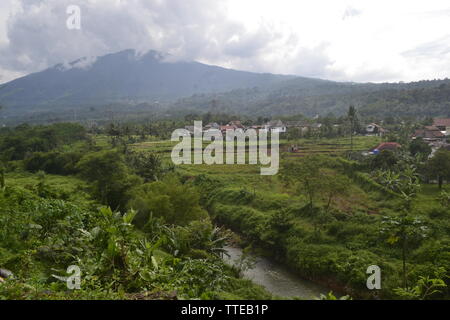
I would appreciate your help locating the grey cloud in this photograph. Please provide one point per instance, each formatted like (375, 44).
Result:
(38, 36)
(313, 62)
(194, 30)
(250, 44)
(436, 48)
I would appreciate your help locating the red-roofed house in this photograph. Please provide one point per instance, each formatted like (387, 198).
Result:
(386, 146)
(225, 128)
(237, 124)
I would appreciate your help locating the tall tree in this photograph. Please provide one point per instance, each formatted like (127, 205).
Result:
(404, 231)
(354, 122)
(305, 173)
(419, 147)
(2, 177)
(314, 180)
(109, 176)
(439, 166)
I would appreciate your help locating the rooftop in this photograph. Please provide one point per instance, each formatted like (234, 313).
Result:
(387, 146)
(442, 122)
(428, 134)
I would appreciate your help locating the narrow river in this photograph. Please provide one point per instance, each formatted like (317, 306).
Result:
(276, 278)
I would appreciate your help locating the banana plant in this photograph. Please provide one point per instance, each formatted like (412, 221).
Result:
(218, 241)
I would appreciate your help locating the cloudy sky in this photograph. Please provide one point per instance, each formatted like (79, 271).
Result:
(360, 40)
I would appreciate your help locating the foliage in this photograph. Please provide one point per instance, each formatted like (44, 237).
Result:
(313, 177)
(444, 198)
(425, 288)
(44, 236)
(405, 182)
(109, 176)
(419, 147)
(405, 231)
(146, 165)
(439, 166)
(331, 296)
(386, 159)
(18, 142)
(169, 199)
(53, 162)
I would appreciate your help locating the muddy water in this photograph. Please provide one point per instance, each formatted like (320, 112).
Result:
(276, 278)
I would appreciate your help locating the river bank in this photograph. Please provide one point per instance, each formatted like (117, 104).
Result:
(275, 277)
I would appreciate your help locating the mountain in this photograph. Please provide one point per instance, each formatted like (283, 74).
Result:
(124, 77)
(126, 85)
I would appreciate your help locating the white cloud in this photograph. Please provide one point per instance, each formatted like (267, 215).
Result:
(345, 40)
(351, 12)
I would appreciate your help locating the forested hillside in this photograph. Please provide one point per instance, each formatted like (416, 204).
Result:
(418, 99)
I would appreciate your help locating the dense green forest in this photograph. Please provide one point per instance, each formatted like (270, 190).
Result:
(308, 97)
(110, 201)
(416, 99)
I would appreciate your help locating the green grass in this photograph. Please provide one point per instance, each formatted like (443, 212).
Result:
(248, 176)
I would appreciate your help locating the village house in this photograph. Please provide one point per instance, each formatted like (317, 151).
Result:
(373, 129)
(256, 128)
(433, 135)
(429, 133)
(303, 126)
(224, 129)
(211, 125)
(297, 124)
(190, 129)
(237, 124)
(443, 124)
(275, 125)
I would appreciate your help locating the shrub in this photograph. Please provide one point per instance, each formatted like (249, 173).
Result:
(53, 162)
(176, 203)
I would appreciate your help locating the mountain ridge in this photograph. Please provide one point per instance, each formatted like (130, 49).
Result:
(125, 76)
(158, 82)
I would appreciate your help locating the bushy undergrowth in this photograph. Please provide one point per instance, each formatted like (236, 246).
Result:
(41, 237)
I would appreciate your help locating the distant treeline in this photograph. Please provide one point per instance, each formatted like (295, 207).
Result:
(298, 96)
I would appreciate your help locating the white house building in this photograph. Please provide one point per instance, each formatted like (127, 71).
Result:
(275, 125)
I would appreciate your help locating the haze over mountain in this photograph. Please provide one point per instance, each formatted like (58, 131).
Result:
(157, 82)
(125, 77)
